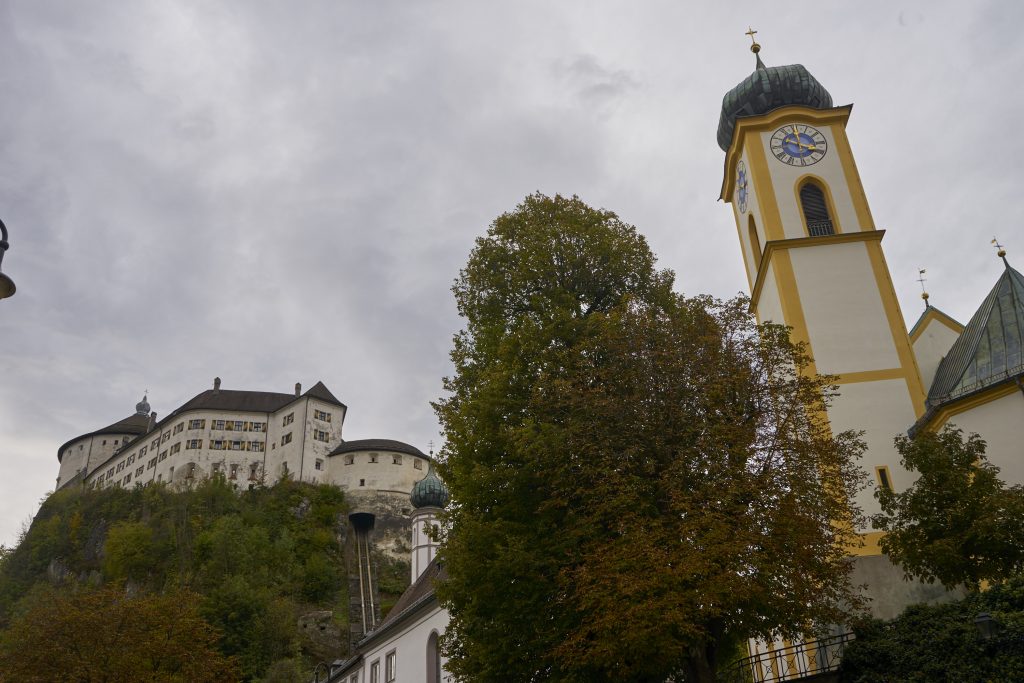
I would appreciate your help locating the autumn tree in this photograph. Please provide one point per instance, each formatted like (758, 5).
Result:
(107, 635)
(640, 480)
(958, 523)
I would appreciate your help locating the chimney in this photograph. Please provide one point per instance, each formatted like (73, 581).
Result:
(298, 389)
(216, 384)
(152, 420)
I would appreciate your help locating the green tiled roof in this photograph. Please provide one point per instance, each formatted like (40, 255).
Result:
(989, 349)
(766, 89)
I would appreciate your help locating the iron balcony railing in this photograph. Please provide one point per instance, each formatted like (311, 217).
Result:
(820, 228)
(791, 663)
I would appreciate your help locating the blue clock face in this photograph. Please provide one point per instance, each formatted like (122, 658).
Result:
(741, 186)
(798, 145)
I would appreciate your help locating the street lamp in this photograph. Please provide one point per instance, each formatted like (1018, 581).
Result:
(6, 284)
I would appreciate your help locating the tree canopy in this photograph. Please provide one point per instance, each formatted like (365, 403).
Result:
(640, 480)
(958, 523)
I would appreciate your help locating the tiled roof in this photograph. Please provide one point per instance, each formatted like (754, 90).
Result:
(377, 445)
(989, 349)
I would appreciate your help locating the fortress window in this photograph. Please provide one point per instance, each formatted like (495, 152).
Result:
(179, 427)
(234, 471)
(288, 419)
(218, 424)
(155, 445)
(176, 448)
(215, 468)
(254, 470)
(139, 471)
(256, 446)
(142, 451)
(104, 442)
(235, 446)
(152, 463)
(190, 471)
(287, 438)
(322, 415)
(373, 457)
(417, 463)
(349, 459)
(362, 482)
(319, 464)
(165, 437)
(197, 424)
(815, 208)
(320, 435)
(396, 459)
(193, 443)
(120, 466)
(115, 442)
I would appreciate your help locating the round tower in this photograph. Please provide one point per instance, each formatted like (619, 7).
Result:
(429, 496)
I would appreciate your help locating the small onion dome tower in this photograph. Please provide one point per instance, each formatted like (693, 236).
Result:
(142, 407)
(428, 497)
(768, 88)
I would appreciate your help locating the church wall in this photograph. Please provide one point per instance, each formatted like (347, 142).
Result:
(409, 643)
(769, 307)
(845, 318)
(829, 170)
(880, 408)
(999, 423)
(931, 344)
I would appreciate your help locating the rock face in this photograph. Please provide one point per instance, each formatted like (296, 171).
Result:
(320, 635)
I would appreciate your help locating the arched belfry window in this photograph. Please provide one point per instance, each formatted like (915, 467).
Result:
(816, 215)
(755, 243)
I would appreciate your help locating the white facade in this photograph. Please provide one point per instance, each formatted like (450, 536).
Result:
(424, 547)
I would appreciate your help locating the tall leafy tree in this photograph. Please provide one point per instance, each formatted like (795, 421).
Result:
(640, 480)
(958, 523)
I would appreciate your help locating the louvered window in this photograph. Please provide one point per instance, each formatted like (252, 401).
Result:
(815, 208)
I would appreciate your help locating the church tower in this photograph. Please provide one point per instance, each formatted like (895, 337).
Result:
(814, 258)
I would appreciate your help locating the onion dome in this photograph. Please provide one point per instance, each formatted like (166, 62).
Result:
(768, 88)
(429, 491)
(142, 407)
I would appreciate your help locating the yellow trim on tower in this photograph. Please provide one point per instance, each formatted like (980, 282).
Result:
(871, 376)
(853, 181)
(829, 201)
(870, 546)
(789, 299)
(761, 177)
(899, 333)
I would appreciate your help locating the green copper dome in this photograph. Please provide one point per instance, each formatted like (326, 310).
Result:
(766, 89)
(429, 491)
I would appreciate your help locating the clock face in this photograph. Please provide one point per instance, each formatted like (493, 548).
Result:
(798, 145)
(741, 186)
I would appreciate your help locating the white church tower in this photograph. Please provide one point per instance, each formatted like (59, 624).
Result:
(428, 497)
(814, 257)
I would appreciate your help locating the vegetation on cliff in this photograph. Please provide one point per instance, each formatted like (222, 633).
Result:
(246, 565)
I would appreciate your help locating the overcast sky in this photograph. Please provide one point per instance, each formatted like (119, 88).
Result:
(273, 192)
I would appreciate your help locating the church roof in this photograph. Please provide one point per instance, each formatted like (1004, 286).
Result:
(989, 349)
(768, 88)
(420, 593)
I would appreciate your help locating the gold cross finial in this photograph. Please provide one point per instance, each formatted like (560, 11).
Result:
(754, 47)
(922, 279)
(430, 444)
(1001, 253)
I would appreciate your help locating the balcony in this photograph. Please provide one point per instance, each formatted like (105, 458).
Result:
(806, 661)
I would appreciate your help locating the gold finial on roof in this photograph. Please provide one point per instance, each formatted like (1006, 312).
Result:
(922, 279)
(1001, 253)
(754, 47)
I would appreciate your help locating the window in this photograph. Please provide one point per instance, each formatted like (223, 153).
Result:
(229, 425)
(755, 243)
(259, 426)
(193, 444)
(884, 480)
(373, 457)
(235, 446)
(152, 463)
(433, 659)
(217, 444)
(396, 459)
(165, 437)
(127, 477)
(362, 482)
(197, 424)
(142, 451)
(321, 415)
(178, 428)
(110, 473)
(287, 438)
(389, 667)
(319, 435)
(215, 468)
(163, 455)
(288, 419)
(815, 208)
(131, 459)
(375, 672)
(218, 424)
(319, 464)
(239, 425)
(139, 471)
(257, 446)
(190, 470)
(104, 442)
(120, 466)
(155, 445)
(349, 459)
(99, 479)
(176, 448)
(254, 471)
(234, 471)
(417, 463)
